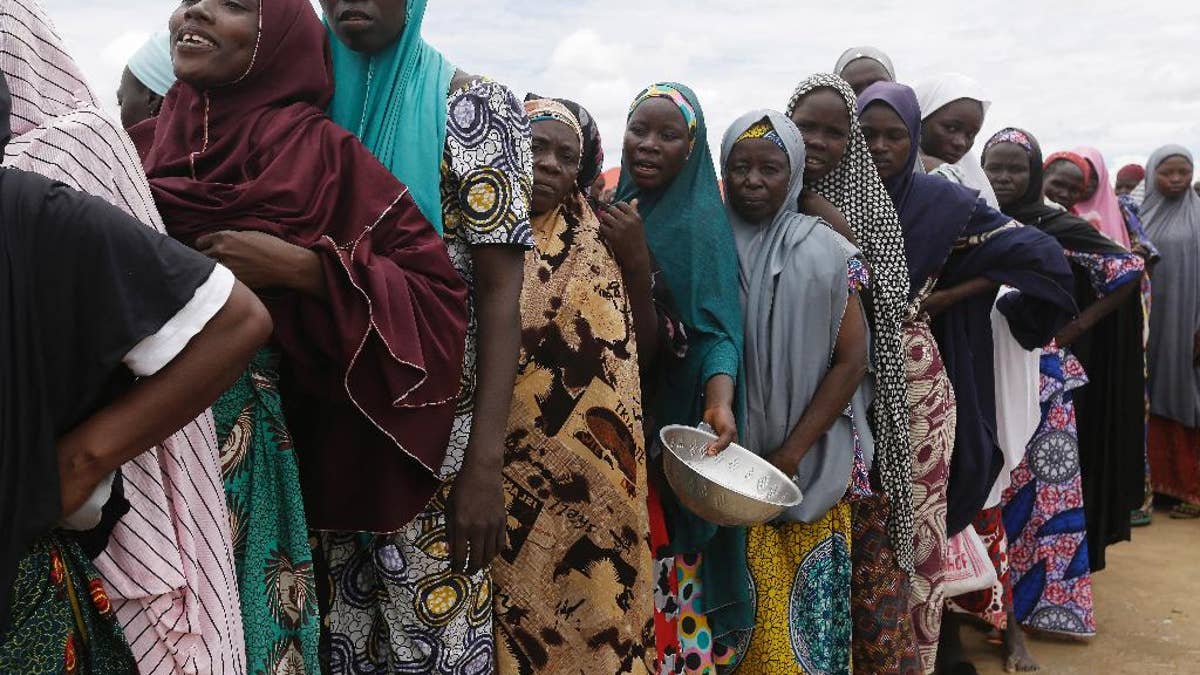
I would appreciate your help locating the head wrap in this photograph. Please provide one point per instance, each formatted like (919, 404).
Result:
(935, 94)
(855, 53)
(1102, 209)
(151, 63)
(1173, 224)
(1073, 158)
(591, 160)
(688, 234)
(1133, 172)
(542, 109)
(855, 188)
(259, 154)
(765, 130)
(669, 92)
(794, 296)
(394, 101)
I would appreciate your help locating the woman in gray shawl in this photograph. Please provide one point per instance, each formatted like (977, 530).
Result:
(1171, 215)
(807, 396)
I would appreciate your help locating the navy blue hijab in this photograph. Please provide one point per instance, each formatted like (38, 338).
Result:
(953, 235)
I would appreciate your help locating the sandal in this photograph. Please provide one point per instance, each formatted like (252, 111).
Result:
(1140, 518)
(1186, 511)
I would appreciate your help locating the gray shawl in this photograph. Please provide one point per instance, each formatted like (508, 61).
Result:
(789, 345)
(1174, 227)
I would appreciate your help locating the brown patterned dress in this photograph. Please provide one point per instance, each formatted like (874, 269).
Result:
(573, 592)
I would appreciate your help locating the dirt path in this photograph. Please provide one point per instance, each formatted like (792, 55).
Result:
(1147, 611)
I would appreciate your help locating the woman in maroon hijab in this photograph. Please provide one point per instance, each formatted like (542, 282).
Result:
(370, 316)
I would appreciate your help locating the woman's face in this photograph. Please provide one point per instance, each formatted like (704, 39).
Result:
(555, 164)
(213, 41)
(824, 122)
(1064, 184)
(863, 72)
(887, 138)
(1007, 168)
(656, 143)
(757, 174)
(1173, 177)
(949, 133)
(366, 26)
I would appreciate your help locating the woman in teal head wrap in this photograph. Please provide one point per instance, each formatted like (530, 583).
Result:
(667, 172)
(461, 144)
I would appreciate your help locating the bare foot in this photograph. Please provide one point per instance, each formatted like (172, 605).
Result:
(1017, 658)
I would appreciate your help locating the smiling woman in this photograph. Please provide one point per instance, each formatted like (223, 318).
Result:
(214, 43)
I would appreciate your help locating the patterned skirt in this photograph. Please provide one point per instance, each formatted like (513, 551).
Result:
(991, 604)
(883, 639)
(270, 535)
(932, 412)
(397, 607)
(62, 621)
(1043, 515)
(1175, 459)
(801, 576)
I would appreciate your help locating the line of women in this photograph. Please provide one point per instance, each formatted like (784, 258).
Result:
(444, 459)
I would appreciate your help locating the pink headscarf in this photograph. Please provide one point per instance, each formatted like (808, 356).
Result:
(1103, 210)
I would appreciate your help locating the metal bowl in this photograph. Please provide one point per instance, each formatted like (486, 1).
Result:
(735, 488)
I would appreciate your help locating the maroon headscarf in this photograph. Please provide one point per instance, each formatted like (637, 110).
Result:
(386, 349)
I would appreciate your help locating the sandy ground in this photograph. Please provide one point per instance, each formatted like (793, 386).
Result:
(1147, 611)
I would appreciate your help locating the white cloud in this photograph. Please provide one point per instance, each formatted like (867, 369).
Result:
(1102, 73)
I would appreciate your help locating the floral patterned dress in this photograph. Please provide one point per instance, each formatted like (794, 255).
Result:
(396, 606)
(1043, 514)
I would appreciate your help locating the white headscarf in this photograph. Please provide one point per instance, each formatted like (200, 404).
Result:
(935, 94)
(855, 53)
(151, 64)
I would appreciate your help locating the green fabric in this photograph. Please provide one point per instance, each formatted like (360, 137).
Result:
(47, 637)
(270, 535)
(690, 237)
(395, 102)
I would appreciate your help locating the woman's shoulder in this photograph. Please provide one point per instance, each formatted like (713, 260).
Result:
(484, 90)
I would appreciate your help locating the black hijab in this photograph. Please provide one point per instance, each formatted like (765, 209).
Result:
(81, 284)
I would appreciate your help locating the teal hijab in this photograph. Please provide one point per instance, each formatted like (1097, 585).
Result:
(394, 101)
(689, 234)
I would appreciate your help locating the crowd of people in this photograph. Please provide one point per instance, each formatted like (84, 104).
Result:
(401, 360)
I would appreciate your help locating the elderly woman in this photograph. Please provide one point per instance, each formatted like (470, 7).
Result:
(370, 315)
(575, 465)
(800, 284)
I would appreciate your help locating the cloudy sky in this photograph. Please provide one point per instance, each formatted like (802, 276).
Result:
(1117, 75)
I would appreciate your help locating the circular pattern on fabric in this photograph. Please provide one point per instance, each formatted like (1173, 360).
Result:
(486, 194)
(440, 597)
(817, 603)
(359, 584)
(1057, 620)
(469, 120)
(391, 564)
(1054, 457)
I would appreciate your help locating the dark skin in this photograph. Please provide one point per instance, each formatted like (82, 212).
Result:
(366, 26)
(555, 164)
(656, 147)
(888, 139)
(1125, 186)
(159, 405)
(1173, 178)
(1007, 168)
(1064, 183)
(756, 177)
(824, 121)
(949, 133)
(475, 524)
(136, 101)
(864, 72)
(476, 511)
(213, 41)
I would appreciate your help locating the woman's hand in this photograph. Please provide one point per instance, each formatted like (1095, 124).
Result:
(936, 303)
(260, 260)
(622, 229)
(786, 461)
